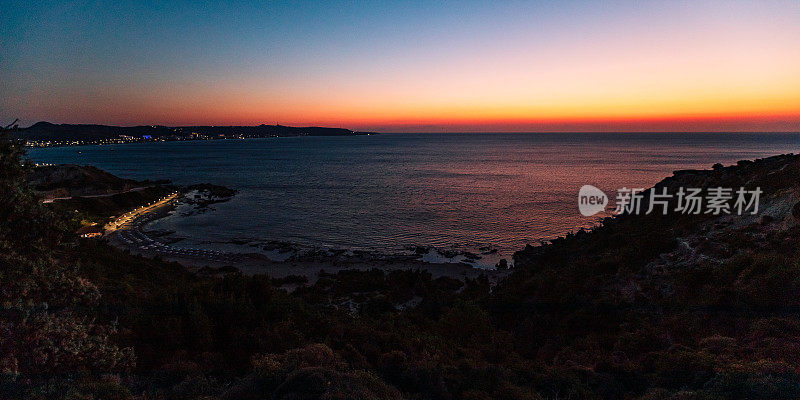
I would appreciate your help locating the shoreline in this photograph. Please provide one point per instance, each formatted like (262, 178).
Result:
(133, 237)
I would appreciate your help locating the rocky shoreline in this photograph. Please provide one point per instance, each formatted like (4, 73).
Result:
(282, 259)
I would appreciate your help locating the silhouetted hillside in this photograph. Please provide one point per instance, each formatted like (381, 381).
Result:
(645, 307)
(673, 306)
(44, 131)
(75, 180)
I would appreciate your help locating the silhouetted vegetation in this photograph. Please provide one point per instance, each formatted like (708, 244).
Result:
(650, 307)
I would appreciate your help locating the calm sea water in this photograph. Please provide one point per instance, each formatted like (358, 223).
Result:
(390, 191)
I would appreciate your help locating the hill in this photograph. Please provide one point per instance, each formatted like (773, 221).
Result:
(674, 306)
(45, 131)
(76, 180)
(677, 306)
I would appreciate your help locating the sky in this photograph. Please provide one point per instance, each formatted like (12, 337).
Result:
(406, 66)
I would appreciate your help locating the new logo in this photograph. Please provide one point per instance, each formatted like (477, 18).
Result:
(591, 200)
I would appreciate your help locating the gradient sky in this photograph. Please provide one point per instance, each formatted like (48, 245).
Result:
(427, 66)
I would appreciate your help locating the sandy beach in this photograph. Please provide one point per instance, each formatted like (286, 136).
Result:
(133, 236)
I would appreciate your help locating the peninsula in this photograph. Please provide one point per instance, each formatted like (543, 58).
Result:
(45, 134)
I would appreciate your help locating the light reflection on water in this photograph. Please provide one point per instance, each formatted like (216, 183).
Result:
(390, 191)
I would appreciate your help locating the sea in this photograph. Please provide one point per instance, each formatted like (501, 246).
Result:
(487, 193)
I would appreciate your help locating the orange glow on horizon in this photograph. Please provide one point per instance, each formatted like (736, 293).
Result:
(707, 65)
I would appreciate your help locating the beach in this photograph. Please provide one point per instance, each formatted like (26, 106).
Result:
(134, 237)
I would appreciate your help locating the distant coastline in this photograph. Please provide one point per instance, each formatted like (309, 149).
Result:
(397, 191)
(45, 134)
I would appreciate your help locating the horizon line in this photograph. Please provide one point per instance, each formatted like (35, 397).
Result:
(609, 127)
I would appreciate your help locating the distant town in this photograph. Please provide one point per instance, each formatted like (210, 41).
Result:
(45, 134)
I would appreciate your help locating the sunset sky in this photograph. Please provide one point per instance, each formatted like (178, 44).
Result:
(427, 66)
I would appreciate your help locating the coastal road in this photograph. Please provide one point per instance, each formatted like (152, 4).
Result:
(133, 215)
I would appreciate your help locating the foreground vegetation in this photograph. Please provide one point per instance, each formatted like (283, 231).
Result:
(650, 307)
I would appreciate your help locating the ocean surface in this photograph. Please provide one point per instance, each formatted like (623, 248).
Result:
(388, 192)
